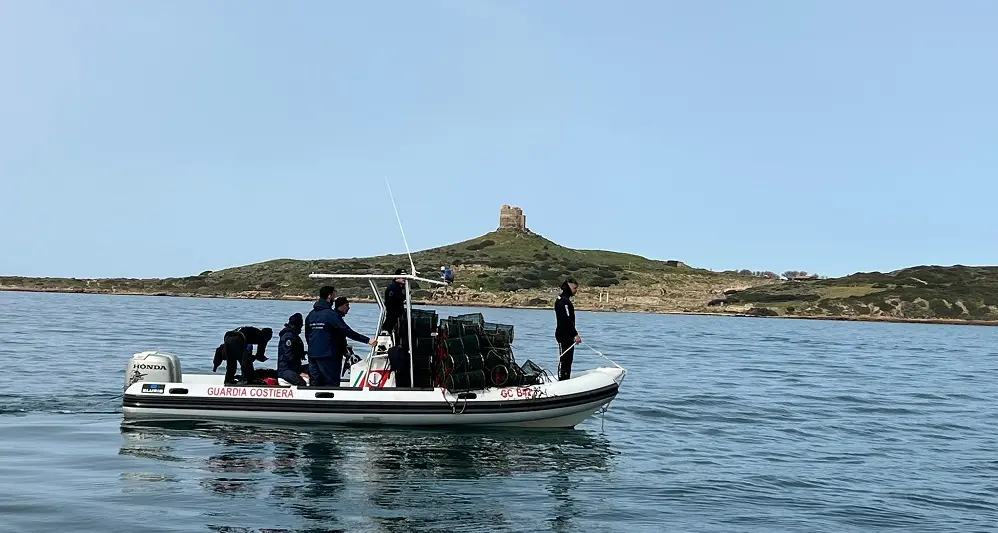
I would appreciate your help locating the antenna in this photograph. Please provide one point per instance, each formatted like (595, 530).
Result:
(411, 264)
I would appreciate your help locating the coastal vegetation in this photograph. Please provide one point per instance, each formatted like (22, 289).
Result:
(510, 268)
(503, 267)
(922, 292)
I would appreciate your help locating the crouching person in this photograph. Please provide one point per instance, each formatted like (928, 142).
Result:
(237, 350)
(291, 352)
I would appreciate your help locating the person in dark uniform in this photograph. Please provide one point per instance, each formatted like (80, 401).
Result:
(394, 305)
(326, 334)
(291, 352)
(565, 332)
(340, 332)
(237, 349)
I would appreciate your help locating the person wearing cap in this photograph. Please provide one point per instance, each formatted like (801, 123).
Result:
(291, 352)
(341, 331)
(447, 275)
(394, 304)
(565, 332)
(326, 334)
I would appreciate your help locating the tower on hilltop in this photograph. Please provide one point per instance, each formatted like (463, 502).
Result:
(512, 218)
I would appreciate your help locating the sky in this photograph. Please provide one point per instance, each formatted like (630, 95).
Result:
(155, 139)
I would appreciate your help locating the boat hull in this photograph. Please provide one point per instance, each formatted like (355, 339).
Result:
(549, 405)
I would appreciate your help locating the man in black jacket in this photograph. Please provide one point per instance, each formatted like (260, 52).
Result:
(394, 305)
(565, 332)
(291, 352)
(236, 349)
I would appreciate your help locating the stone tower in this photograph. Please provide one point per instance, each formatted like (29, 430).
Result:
(512, 218)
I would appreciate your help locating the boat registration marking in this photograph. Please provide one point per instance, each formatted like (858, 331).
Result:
(251, 392)
(523, 392)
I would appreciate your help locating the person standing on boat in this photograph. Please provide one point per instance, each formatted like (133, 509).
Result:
(565, 332)
(291, 352)
(340, 332)
(394, 305)
(324, 330)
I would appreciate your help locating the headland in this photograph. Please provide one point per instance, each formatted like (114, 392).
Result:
(514, 267)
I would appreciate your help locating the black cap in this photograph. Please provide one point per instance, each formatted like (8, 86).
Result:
(400, 271)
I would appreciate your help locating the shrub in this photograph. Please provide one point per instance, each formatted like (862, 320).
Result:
(980, 311)
(552, 275)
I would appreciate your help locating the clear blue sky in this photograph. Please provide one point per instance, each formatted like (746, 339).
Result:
(166, 138)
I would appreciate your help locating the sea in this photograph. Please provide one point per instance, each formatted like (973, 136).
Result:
(723, 424)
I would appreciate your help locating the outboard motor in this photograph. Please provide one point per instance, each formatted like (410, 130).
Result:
(154, 366)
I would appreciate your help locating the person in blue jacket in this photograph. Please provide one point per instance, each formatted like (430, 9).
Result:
(291, 352)
(326, 333)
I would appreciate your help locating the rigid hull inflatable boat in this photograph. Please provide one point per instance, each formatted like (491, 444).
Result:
(462, 371)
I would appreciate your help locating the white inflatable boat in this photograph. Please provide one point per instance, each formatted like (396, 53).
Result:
(157, 389)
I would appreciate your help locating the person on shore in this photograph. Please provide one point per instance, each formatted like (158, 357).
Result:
(447, 275)
(565, 332)
(291, 352)
(326, 333)
(237, 350)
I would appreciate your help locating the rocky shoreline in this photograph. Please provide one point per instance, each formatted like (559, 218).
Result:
(533, 301)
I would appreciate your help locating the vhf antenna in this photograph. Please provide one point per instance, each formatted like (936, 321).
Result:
(404, 240)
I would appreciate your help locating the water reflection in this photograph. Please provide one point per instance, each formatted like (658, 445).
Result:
(387, 479)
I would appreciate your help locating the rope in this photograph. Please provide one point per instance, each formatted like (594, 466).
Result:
(599, 353)
(88, 405)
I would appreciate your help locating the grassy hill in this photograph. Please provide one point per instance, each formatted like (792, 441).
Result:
(508, 268)
(517, 269)
(922, 292)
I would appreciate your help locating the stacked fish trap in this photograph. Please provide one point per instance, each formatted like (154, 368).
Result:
(424, 324)
(475, 354)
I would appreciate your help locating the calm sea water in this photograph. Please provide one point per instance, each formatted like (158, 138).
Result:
(723, 424)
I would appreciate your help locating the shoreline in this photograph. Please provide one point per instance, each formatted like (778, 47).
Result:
(491, 305)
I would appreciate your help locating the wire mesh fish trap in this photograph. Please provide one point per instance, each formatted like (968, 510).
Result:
(424, 322)
(503, 333)
(460, 363)
(465, 381)
(476, 319)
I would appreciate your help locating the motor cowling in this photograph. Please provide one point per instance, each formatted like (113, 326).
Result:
(153, 366)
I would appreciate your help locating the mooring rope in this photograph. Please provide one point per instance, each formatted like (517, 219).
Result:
(599, 353)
